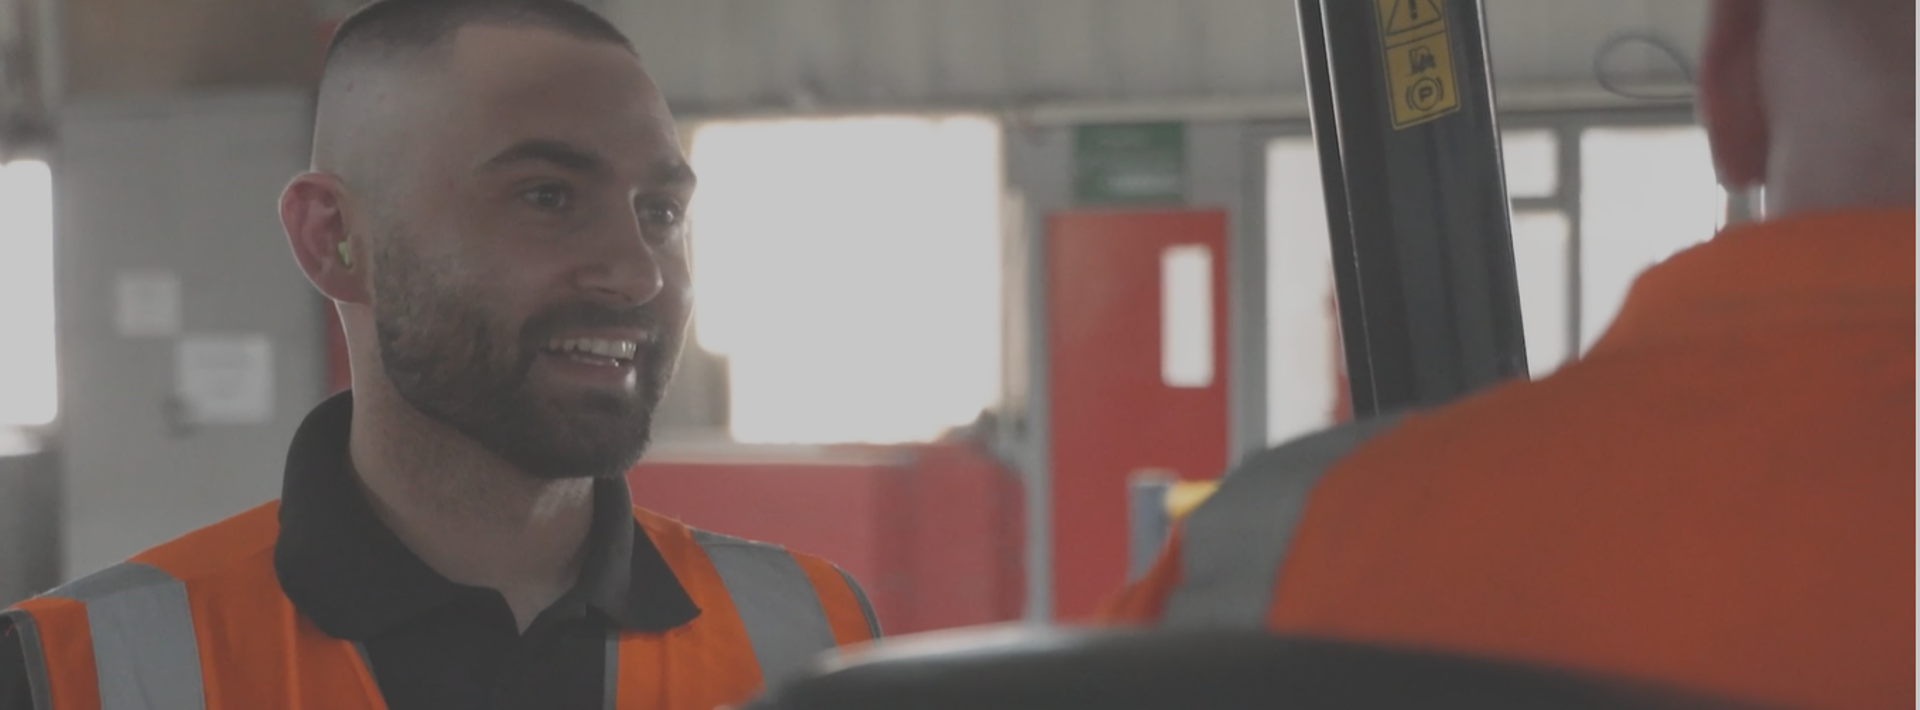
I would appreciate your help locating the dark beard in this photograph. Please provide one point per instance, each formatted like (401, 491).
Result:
(455, 362)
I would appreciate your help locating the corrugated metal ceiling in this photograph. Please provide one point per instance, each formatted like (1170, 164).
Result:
(719, 56)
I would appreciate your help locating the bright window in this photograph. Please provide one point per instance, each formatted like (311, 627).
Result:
(1532, 162)
(1645, 194)
(1302, 329)
(849, 270)
(1540, 264)
(28, 394)
(1186, 316)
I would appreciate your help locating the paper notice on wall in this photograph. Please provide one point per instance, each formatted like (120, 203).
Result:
(146, 303)
(225, 379)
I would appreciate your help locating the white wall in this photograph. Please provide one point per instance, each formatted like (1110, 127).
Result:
(186, 184)
(29, 521)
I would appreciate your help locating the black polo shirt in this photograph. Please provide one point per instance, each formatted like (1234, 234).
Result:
(433, 643)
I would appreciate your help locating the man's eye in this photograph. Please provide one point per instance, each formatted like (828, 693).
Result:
(660, 214)
(552, 198)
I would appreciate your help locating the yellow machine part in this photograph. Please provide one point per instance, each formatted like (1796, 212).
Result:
(1184, 496)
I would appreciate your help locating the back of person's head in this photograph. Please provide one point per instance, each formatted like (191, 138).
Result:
(1814, 100)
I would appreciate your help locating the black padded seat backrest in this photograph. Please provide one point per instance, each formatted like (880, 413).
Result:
(1150, 670)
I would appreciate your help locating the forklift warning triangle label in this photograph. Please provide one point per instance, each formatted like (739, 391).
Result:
(1399, 16)
(1421, 83)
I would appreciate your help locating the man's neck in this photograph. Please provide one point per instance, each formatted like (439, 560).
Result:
(1807, 177)
(465, 512)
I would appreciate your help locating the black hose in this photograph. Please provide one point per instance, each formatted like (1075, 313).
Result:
(1613, 45)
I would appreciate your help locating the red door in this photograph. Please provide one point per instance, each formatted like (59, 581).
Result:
(1113, 411)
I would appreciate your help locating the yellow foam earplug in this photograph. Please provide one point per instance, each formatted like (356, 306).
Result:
(345, 259)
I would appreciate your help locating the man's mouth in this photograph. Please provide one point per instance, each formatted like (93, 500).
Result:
(605, 352)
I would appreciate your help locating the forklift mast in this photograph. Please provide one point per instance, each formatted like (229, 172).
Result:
(1403, 117)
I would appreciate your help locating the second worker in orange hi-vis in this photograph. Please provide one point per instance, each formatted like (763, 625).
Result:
(1718, 496)
(496, 208)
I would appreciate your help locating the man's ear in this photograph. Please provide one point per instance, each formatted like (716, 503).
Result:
(314, 211)
(1731, 103)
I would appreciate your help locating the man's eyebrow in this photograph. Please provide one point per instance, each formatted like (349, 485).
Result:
(558, 153)
(674, 173)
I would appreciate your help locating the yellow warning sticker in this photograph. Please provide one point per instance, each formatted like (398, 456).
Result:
(1421, 84)
(1398, 16)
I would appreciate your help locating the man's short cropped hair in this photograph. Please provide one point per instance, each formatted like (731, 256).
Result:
(397, 27)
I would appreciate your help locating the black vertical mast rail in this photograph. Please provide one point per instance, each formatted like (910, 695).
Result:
(1403, 114)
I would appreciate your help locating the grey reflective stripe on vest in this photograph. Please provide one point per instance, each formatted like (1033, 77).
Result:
(1232, 546)
(776, 602)
(610, 678)
(366, 661)
(866, 607)
(29, 635)
(144, 649)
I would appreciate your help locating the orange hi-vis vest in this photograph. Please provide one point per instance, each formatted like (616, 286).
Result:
(1718, 496)
(200, 623)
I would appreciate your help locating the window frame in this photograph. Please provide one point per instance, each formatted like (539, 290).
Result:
(1566, 126)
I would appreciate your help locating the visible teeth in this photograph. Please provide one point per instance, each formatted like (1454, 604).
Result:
(618, 349)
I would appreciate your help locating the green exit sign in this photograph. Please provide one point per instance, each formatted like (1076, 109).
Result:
(1130, 164)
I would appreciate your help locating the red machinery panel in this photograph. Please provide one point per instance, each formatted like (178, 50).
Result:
(1112, 412)
(932, 531)
(838, 510)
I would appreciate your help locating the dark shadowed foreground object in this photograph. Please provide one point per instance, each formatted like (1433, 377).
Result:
(1012, 669)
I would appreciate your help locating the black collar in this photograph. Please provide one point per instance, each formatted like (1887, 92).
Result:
(351, 575)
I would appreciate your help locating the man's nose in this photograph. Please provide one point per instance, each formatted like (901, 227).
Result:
(624, 266)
